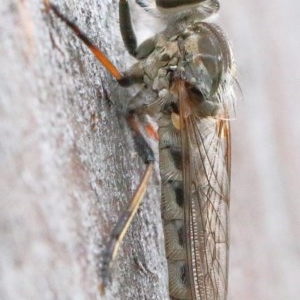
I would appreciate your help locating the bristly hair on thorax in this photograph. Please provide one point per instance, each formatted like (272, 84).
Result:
(192, 12)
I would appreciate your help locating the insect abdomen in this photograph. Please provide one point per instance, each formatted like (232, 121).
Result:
(173, 214)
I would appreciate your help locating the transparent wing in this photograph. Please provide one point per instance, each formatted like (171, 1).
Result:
(206, 172)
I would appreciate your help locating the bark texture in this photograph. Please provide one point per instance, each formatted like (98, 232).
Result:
(68, 166)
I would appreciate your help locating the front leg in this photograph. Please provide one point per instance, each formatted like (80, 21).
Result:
(134, 75)
(128, 34)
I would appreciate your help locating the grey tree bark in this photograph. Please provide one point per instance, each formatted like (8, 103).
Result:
(68, 166)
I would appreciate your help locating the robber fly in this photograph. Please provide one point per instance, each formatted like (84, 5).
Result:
(187, 73)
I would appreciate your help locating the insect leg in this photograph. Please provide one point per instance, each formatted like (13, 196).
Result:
(128, 34)
(124, 221)
(126, 28)
(97, 52)
(124, 79)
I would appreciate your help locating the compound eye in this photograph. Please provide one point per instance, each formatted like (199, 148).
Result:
(176, 3)
(203, 106)
(202, 8)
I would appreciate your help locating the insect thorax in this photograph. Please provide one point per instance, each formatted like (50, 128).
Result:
(199, 55)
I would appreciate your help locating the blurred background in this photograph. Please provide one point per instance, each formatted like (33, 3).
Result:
(265, 207)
